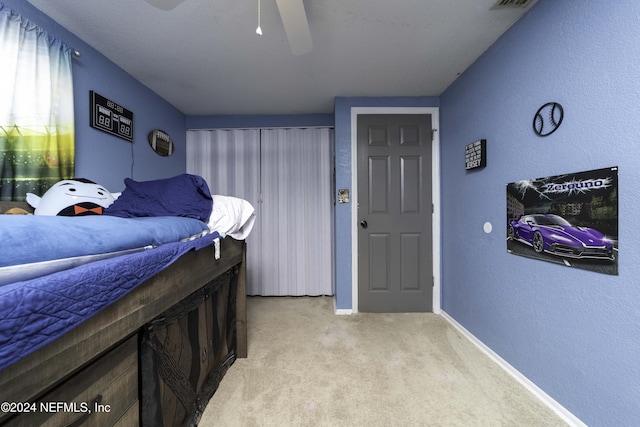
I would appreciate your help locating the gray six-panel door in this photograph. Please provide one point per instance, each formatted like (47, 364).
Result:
(395, 268)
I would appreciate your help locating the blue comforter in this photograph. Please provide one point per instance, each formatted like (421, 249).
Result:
(35, 312)
(33, 238)
(34, 246)
(96, 260)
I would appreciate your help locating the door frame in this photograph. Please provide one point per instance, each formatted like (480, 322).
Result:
(435, 184)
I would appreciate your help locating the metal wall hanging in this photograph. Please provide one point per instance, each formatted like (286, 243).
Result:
(548, 118)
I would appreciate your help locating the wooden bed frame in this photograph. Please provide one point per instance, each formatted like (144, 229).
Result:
(103, 351)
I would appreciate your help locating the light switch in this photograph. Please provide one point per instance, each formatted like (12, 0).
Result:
(343, 195)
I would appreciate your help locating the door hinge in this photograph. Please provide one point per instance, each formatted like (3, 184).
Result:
(433, 134)
(433, 282)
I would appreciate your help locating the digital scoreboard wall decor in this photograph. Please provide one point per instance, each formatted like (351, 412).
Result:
(475, 154)
(107, 116)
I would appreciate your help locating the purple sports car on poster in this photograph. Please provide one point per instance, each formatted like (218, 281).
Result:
(553, 234)
(569, 219)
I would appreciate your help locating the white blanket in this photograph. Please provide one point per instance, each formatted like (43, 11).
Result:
(232, 216)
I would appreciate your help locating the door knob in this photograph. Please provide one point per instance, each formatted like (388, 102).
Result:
(364, 224)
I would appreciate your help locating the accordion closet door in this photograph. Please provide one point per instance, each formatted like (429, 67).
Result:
(286, 174)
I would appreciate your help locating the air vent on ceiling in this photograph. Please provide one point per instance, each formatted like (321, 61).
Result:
(511, 4)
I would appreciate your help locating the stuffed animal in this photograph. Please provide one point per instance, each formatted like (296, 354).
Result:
(17, 211)
(72, 197)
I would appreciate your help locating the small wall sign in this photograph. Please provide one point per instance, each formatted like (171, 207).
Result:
(475, 154)
(107, 116)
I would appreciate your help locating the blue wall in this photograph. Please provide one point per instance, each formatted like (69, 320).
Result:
(259, 121)
(101, 157)
(574, 333)
(343, 218)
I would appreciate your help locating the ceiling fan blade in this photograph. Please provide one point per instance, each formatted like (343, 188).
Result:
(165, 4)
(294, 19)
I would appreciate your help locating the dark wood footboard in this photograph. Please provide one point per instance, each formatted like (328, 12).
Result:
(102, 346)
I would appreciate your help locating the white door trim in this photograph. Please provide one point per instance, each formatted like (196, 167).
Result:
(435, 180)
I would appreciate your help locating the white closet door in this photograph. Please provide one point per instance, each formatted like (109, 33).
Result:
(297, 211)
(229, 160)
(286, 174)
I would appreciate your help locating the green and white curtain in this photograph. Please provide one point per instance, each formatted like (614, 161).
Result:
(36, 108)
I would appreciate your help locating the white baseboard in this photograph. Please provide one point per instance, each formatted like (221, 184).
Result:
(341, 311)
(562, 412)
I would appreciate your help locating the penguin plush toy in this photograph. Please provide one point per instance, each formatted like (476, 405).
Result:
(72, 197)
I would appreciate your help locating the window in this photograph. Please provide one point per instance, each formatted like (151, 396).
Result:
(37, 147)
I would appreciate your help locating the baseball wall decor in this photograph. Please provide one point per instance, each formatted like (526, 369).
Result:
(548, 118)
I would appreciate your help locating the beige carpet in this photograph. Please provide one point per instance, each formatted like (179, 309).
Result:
(309, 367)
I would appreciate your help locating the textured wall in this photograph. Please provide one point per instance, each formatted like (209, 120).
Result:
(574, 333)
(264, 121)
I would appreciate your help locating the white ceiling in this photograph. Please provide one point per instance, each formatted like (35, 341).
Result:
(204, 56)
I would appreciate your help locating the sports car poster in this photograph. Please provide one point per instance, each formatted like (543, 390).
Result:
(567, 219)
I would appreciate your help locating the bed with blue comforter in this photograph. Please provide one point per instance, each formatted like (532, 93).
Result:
(59, 275)
(101, 258)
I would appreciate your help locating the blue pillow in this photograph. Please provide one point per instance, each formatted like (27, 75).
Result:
(183, 195)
